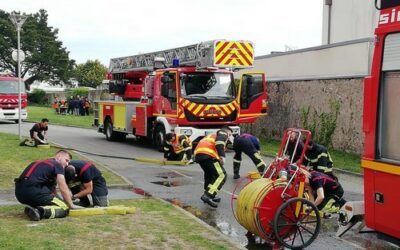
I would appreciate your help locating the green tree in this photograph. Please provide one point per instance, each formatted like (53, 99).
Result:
(90, 74)
(46, 58)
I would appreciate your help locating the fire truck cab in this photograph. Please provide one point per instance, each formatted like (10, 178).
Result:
(9, 98)
(189, 90)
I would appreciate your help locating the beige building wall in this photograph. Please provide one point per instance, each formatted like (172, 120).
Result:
(346, 20)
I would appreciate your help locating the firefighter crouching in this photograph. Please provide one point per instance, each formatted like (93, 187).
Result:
(83, 178)
(210, 154)
(250, 145)
(177, 148)
(36, 187)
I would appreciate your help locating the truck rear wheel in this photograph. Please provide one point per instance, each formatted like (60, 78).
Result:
(159, 137)
(112, 135)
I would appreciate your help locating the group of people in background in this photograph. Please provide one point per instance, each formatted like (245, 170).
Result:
(78, 105)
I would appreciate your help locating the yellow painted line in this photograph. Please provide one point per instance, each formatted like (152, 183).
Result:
(381, 167)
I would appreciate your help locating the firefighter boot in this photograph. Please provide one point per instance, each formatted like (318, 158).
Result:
(32, 213)
(51, 212)
(209, 200)
(236, 168)
(261, 170)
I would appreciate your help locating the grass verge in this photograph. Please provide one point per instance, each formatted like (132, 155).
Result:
(156, 225)
(15, 158)
(37, 113)
(341, 160)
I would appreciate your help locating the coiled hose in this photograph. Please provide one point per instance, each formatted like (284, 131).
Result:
(256, 205)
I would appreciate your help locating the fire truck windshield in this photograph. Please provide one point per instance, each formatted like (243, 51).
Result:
(11, 87)
(207, 85)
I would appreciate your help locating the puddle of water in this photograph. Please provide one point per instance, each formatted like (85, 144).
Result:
(168, 175)
(140, 191)
(167, 183)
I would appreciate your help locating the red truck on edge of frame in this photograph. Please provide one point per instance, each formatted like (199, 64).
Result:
(9, 98)
(189, 90)
(381, 126)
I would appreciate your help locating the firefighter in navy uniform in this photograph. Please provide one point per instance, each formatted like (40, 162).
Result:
(250, 145)
(177, 148)
(83, 178)
(322, 188)
(318, 158)
(38, 132)
(210, 154)
(36, 187)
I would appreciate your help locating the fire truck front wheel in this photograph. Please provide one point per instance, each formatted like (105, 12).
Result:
(159, 136)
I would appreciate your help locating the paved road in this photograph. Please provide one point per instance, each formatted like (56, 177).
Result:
(184, 185)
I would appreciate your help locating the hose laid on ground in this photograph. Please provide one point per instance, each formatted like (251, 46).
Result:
(249, 202)
(141, 159)
(102, 210)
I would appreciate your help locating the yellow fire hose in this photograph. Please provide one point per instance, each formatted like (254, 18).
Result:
(250, 198)
(102, 210)
(141, 159)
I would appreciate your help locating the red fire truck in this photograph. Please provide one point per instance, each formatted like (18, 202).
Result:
(189, 90)
(9, 98)
(381, 126)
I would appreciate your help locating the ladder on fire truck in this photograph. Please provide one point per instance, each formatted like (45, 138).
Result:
(215, 53)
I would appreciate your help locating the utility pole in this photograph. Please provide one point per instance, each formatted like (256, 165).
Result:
(18, 20)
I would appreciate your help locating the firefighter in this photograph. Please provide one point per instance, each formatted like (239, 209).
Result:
(83, 178)
(36, 187)
(318, 158)
(322, 189)
(250, 145)
(210, 154)
(177, 148)
(38, 132)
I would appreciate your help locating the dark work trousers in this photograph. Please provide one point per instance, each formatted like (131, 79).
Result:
(214, 176)
(246, 146)
(42, 197)
(99, 196)
(336, 194)
(179, 157)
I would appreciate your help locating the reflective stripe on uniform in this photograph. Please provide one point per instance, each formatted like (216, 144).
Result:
(325, 169)
(213, 188)
(207, 146)
(59, 203)
(238, 161)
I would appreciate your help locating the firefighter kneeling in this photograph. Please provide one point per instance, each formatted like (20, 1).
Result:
(177, 148)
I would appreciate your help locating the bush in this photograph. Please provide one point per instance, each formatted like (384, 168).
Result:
(38, 96)
(77, 91)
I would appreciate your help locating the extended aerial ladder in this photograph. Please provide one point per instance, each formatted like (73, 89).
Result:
(215, 53)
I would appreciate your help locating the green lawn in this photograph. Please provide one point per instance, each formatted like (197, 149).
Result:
(341, 160)
(15, 158)
(36, 113)
(155, 225)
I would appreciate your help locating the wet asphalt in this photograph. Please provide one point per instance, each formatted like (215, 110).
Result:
(183, 185)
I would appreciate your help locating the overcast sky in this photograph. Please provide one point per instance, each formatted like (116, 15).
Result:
(99, 29)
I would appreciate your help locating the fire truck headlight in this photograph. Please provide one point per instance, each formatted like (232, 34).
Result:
(186, 131)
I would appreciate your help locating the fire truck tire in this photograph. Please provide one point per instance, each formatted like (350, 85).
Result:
(159, 135)
(112, 135)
